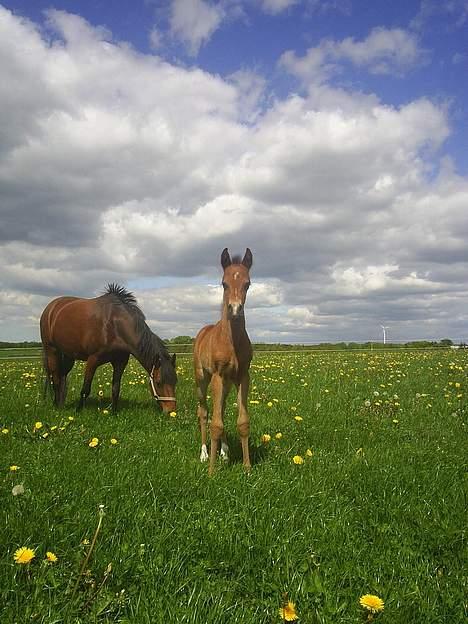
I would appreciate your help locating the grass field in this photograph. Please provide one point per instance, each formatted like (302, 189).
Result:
(377, 507)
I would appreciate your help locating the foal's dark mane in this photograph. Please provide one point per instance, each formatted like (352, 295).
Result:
(150, 346)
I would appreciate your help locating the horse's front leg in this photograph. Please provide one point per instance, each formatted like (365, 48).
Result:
(118, 366)
(243, 420)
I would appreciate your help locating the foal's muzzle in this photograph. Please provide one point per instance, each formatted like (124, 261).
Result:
(235, 310)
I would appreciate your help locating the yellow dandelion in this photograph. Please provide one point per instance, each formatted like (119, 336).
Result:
(173, 414)
(114, 441)
(309, 453)
(85, 542)
(5, 430)
(105, 411)
(297, 459)
(38, 425)
(288, 612)
(14, 468)
(24, 555)
(93, 442)
(265, 438)
(101, 393)
(374, 604)
(51, 557)
(279, 435)
(298, 418)
(269, 404)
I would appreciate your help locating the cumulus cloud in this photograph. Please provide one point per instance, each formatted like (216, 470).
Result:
(383, 51)
(194, 21)
(119, 166)
(277, 6)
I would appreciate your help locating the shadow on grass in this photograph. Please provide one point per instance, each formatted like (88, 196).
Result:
(258, 453)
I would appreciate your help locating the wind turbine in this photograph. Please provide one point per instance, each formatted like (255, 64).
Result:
(384, 333)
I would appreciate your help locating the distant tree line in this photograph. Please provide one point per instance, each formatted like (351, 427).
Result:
(183, 344)
(19, 345)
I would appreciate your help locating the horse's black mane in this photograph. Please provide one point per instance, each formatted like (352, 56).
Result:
(150, 346)
(124, 296)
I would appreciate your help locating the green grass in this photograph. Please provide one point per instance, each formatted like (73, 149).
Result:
(379, 507)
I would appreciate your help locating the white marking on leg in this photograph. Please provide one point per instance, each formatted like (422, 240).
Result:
(204, 453)
(224, 453)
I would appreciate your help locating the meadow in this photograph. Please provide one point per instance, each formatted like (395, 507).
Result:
(358, 487)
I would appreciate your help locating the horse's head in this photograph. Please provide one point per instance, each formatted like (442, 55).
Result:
(236, 282)
(163, 379)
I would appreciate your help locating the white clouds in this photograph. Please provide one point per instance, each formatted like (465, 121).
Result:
(383, 51)
(277, 6)
(116, 165)
(194, 21)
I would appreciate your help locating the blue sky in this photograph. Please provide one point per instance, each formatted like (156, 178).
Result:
(329, 136)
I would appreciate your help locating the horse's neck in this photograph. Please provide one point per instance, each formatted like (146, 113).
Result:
(135, 348)
(143, 361)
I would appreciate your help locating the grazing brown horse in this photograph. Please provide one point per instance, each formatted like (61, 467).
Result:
(222, 354)
(105, 329)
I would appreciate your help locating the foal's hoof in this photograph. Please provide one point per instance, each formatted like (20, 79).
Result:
(224, 452)
(204, 454)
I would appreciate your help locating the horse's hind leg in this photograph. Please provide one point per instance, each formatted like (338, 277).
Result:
(66, 365)
(52, 366)
(91, 364)
(203, 380)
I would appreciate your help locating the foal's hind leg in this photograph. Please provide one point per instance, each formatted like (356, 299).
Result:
(203, 380)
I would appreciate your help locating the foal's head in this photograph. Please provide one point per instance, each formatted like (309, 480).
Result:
(236, 282)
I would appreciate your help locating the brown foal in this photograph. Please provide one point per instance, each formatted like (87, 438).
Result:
(222, 355)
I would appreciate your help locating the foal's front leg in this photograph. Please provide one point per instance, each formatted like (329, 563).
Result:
(203, 380)
(219, 390)
(243, 420)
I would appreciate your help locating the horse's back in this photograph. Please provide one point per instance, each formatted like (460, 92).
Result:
(80, 327)
(49, 315)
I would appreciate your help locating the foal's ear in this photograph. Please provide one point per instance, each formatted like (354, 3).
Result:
(248, 258)
(173, 359)
(225, 258)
